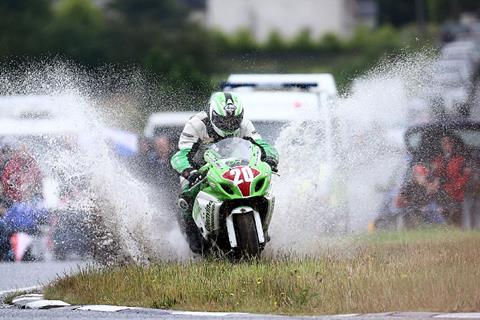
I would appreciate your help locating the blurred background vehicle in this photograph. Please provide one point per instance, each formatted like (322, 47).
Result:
(454, 75)
(274, 100)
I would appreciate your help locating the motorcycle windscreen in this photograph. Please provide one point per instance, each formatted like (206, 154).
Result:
(233, 151)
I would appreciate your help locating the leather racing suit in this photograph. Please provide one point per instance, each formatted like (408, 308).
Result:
(199, 130)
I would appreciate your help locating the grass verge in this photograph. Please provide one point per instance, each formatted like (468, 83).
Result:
(8, 299)
(426, 270)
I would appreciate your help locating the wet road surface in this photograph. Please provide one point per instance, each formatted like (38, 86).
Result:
(161, 314)
(28, 274)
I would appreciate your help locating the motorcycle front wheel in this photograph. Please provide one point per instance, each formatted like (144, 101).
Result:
(247, 238)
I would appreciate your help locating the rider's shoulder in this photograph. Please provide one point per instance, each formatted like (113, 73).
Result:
(246, 123)
(198, 118)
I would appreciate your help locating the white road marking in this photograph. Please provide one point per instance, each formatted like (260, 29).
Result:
(470, 315)
(206, 314)
(9, 291)
(46, 304)
(103, 308)
(34, 296)
(25, 300)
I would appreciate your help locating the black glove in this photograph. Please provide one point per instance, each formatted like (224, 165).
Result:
(272, 163)
(191, 175)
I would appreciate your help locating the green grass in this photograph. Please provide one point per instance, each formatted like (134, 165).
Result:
(426, 270)
(8, 299)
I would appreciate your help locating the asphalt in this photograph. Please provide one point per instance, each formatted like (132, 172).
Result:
(27, 274)
(67, 313)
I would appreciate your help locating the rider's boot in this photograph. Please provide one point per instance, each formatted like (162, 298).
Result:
(194, 237)
(267, 236)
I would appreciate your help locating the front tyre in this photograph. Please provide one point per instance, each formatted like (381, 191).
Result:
(248, 245)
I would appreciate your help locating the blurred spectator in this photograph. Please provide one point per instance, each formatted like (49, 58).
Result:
(21, 177)
(452, 172)
(451, 31)
(5, 155)
(140, 162)
(4, 242)
(159, 162)
(417, 197)
(152, 162)
(21, 182)
(25, 217)
(144, 145)
(5, 203)
(162, 148)
(159, 172)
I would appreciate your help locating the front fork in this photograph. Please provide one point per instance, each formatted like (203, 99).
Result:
(232, 237)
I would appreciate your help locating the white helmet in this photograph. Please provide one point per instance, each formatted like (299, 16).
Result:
(226, 113)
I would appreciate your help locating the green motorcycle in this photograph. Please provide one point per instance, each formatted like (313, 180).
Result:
(233, 201)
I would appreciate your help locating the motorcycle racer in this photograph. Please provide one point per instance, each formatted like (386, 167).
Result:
(224, 119)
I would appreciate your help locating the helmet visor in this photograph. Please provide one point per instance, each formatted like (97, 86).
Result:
(227, 123)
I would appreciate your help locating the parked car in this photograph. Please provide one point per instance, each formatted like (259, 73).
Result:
(459, 53)
(454, 92)
(464, 68)
(453, 76)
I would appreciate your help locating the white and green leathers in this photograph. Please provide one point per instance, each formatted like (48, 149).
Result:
(201, 130)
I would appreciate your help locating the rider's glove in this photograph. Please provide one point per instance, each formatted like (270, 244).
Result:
(273, 163)
(191, 175)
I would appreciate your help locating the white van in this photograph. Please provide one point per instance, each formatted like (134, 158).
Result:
(273, 100)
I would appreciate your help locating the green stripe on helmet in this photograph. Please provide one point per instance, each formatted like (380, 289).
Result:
(218, 100)
(238, 104)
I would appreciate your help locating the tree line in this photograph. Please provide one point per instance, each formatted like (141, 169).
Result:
(155, 35)
(159, 36)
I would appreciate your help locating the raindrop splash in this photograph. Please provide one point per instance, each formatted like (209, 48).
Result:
(332, 167)
(126, 220)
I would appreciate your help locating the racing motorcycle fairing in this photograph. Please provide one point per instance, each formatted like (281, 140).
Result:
(236, 183)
